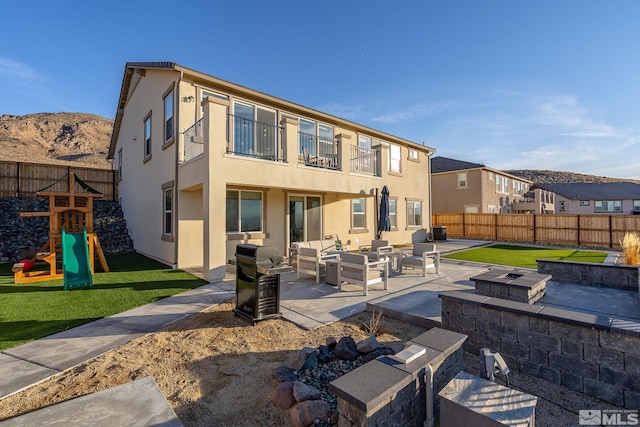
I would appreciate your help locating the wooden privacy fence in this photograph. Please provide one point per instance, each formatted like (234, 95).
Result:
(18, 179)
(575, 230)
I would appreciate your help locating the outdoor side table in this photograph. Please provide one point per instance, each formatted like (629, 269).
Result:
(332, 272)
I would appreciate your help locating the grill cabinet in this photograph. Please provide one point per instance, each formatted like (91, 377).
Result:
(257, 289)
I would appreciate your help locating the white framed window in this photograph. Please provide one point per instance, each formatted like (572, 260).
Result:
(414, 155)
(491, 209)
(502, 184)
(462, 180)
(167, 209)
(414, 213)
(584, 203)
(168, 117)
(636, 205)
(358, 213)
(490, 176)
(608, 206)
(394, 158)
(364, 141)
(393, 213)
(244, 211)
(147, 137)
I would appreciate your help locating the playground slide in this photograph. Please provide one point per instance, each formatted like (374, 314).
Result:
(75, 260)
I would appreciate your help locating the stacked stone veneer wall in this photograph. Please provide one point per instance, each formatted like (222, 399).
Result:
(592, 274)
(21, 238)
(385, 392)
(591, 354)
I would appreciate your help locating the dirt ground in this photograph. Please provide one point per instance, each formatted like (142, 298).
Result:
(214, 369)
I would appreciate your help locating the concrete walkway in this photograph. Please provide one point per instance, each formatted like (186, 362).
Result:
(410, 297)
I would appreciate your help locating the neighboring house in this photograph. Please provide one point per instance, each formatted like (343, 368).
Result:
(535, 201)
(206, 164)
(582, 198)
(459, 186)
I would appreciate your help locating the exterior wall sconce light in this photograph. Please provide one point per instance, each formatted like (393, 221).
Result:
(189, 98)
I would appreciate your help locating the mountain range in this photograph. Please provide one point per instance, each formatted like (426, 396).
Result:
(82, 139)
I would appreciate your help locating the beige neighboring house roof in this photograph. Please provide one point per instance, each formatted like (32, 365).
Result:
(209, 80)
(442, 165)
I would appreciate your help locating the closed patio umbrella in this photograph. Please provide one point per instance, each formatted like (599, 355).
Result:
(384, 223)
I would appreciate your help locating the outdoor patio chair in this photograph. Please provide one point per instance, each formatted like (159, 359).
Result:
(312, 261)
(424, 256)
(357, 269)
(378, 250)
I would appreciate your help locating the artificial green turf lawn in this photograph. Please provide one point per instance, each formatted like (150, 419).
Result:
(523, 256)
(35, 310)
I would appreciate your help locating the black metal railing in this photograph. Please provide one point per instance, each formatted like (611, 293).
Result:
(254, 139)
(318, 152)
(193, 141)
(365, 161)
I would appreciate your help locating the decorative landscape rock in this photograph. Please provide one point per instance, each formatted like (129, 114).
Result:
(311, 380)
(367, 345)
(300, 358)
(305, 413)
(282, 395)
(284, 374)
(346, 349)
(23, 237)
(303, 392)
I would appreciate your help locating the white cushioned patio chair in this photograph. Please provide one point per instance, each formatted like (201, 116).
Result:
(377, 250)
(312, 261)
(424, 256)
(357, 269)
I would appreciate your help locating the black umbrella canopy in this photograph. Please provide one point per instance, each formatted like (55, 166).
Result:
(384, 222)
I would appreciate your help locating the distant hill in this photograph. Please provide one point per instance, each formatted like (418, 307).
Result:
(75, 139)
(82, 139)
(551, 177)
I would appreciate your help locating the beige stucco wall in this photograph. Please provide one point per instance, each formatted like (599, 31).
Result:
(140, 189)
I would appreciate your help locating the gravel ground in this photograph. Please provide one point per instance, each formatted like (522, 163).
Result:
(557, 405)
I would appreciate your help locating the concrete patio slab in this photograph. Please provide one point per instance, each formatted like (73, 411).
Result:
(139, 403)
(21, 373)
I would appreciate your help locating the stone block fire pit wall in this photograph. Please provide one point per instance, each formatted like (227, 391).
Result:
(592, 274)
(521, 286)
(389, 393)
(591, 354)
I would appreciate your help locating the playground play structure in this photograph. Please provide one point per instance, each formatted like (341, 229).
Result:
(70, 235)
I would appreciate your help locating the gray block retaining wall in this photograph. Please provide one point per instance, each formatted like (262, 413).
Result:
(592, 274)
(591, 354)
(385, 392)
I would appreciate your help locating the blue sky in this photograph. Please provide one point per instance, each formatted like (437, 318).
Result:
(511, 84)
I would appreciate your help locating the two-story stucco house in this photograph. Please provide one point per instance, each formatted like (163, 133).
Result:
(603, 198)
(459, 186)
(206, 164)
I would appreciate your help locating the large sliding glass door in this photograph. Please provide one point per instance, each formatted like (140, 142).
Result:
(305, 218)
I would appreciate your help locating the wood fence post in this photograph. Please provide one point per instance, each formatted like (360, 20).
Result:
(535, 228)
(610, 231)
(17, 179)
(579, 230)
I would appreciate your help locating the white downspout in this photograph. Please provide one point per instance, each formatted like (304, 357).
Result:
(428, 380)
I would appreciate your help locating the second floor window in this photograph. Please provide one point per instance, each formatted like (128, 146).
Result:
(462, 180)
(147, 137)
(394, 158)
(636, 205)
(168, 118)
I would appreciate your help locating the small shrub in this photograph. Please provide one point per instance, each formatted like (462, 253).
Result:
(631, 248)
(373, 327)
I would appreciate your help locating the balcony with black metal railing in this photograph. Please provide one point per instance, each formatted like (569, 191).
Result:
(319, 152)
(255, 139)
(366, 161)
